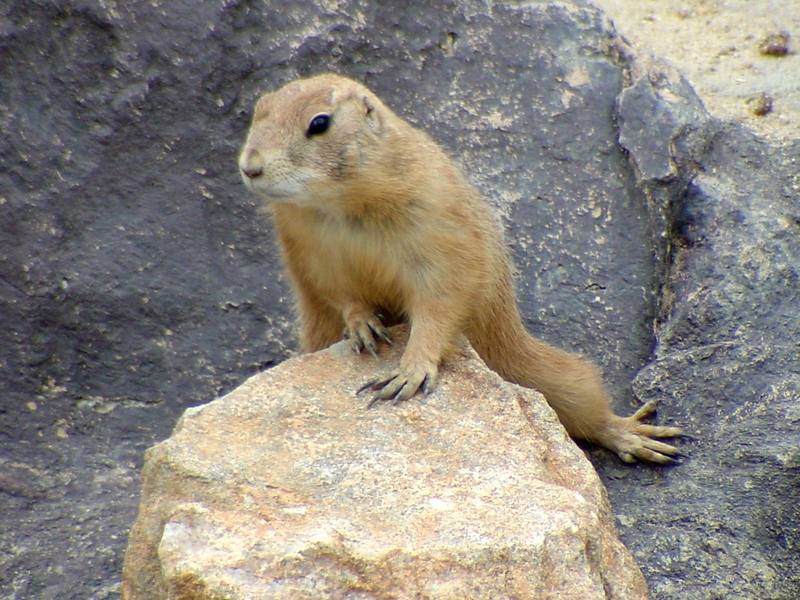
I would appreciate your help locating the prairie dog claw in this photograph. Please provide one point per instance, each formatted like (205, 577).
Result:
(362, 332)
(401, 385)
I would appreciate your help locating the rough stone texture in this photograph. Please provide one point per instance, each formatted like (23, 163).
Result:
(137, 279)
(726, 357)
(288, 488)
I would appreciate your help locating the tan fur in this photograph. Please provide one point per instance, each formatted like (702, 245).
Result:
(375, 219)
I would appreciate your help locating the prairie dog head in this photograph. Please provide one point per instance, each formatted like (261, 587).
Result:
(308, 138)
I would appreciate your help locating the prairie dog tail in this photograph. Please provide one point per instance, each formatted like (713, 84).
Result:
(571, 385)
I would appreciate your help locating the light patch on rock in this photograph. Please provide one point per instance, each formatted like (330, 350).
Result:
(578, 77)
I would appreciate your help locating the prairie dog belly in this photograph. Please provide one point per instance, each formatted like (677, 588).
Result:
(347, 264)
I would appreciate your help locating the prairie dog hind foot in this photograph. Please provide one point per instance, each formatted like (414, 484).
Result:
(631, 439)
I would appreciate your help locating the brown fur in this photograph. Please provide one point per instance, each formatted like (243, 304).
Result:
(375, 219)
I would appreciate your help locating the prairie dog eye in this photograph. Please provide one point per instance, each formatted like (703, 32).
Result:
(319, 124)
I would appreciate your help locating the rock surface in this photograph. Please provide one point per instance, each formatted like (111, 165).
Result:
(289, 487)
(726, 355)
(136, 277)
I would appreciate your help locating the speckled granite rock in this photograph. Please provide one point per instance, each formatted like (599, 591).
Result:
(288, 487)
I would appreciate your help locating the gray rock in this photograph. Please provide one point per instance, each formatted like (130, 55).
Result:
(137, 277)
(727, 359)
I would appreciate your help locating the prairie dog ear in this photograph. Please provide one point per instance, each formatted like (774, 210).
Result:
(371, 114)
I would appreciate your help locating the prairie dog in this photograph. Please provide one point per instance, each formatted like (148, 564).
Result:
(378, 225)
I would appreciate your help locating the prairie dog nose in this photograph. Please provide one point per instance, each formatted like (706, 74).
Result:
(250, 164)
(252, 173)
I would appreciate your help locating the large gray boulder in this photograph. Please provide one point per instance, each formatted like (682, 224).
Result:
(726, 354)
(138, 278)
